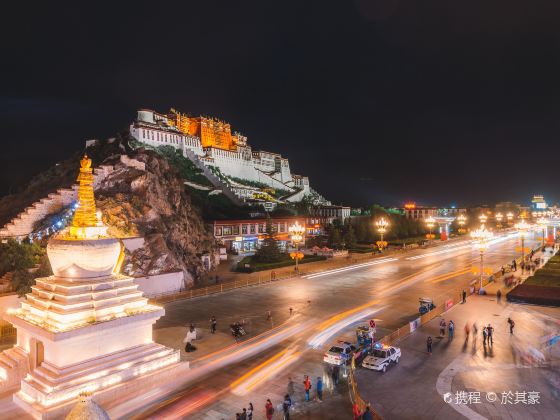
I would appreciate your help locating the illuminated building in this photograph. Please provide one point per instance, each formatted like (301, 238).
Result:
(211, 143)
(86, 328)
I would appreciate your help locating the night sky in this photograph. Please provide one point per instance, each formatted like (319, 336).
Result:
(382, 101)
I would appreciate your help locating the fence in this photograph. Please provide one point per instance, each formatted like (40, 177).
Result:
(7, 334)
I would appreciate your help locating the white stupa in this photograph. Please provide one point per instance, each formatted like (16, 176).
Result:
(87, 328)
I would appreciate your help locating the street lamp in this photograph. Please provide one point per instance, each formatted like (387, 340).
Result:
(523, 227)
(481, 236)
(509, 216)
(499, 216)
(430, 223)
(296, 234)
(542, 222)
(461, 220)
(382, 226)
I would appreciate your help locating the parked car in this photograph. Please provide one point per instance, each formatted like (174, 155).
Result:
(381, 357)
(340, 353)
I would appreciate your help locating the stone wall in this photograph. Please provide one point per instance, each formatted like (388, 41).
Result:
(161, 284)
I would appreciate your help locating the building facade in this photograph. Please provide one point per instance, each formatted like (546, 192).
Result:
(412, 211)
(212, 142)
(330, 213)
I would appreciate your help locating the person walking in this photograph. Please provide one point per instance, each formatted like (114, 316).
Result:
(291, 311)
(429, 342)
(484, 335)
(490, 332)
(250, 411)
(499, 295)
(503, 271)
(442, 326)
(335, 373)
(451, 329)
(368, 415)
(268, 315)
(514, 265)
(319, 389)
(511, 323)
(467, 331)
(269, 410)
(307, 386)
(244, 414)
(464, 296)
(356, 411)
(213, 324)
(286, 407)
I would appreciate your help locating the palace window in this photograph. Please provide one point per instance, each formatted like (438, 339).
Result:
(261, 228)
(281, 227)
(236, 230)
(252, 229)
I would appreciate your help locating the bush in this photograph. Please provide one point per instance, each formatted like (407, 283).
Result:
(185, 166)
(286, 262)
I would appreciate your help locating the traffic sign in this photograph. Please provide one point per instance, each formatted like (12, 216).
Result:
(372, 323)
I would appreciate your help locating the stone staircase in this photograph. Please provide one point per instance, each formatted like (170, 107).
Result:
(22, 225)
(216, 182)
(14, 366)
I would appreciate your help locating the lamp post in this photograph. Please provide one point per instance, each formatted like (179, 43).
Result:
(481, 236)
(509, 216)
(499, 216)
(461, 220)
(296, 234)
(430, 223)
(523, 227)
(542, 222)
(382, 226)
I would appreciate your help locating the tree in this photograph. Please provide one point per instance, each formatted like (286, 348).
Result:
(269, 251)
(18, 256)
(350, 236)
(335, 238)
(22, 280)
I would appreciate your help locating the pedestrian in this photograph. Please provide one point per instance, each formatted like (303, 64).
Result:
(429, 345)
(511, 323)
(356, 411)
(268, 315)
(291, 311)
(319, 389)
(490, 333)
(244, 414)
(464, 296)
(451, 329)
(307, 386)
(335, 374)
(467, 331)
(514, 265)
(269, 409)
(499, 295)
(503, 270)
(213, 324)
(368, 415)
(484, 335)
(522, 266)
(291, 386)
(237, 416)
(189, 338)
(250, 411)
(286, 407)
(442, 326)
(475, 329)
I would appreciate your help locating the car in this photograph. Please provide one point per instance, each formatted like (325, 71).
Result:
(339, 354)
(381, 357)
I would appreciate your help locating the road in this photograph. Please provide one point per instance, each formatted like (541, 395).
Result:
(227, 376)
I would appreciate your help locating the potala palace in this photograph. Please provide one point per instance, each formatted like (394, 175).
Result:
(210, 144)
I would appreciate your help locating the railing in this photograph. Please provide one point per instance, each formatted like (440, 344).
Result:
(7, 333)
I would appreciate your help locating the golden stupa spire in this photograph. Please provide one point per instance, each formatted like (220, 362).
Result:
(85, 215)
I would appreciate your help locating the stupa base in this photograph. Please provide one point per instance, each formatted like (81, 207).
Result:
(108, 397)
(50, 393)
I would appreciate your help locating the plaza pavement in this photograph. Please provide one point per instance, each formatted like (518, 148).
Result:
(415, 387)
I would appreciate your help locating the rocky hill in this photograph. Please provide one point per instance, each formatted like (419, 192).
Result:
(143, 196)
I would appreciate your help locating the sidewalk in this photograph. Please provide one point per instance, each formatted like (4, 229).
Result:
(467, 366)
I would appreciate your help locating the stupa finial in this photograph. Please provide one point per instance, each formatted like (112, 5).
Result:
(85, 215)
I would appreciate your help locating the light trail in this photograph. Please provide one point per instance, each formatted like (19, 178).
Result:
(352, 267)
(443, 251)
(263, 372)
(448, 276)
(319, 339)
